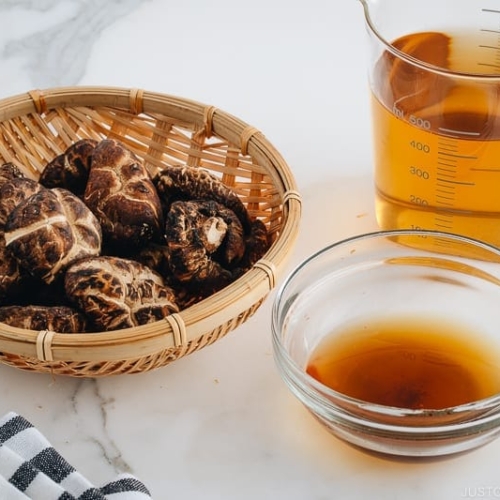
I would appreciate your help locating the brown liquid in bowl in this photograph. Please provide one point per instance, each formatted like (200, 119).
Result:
(408, 363)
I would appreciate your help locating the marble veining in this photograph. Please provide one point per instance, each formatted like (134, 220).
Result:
(48, 42)
(95, 422)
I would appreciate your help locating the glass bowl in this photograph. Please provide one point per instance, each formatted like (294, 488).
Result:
(392, 340)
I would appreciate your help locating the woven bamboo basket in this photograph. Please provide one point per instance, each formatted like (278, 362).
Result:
(161, 130)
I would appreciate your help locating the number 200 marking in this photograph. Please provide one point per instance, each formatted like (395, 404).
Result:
(417, 200)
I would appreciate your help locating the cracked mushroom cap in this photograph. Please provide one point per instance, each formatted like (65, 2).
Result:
(12, 276)
(13, 192)
(61, 319)
(49, 230)
(121, 194)
(70, 170)
(116, 293)
(9, 171)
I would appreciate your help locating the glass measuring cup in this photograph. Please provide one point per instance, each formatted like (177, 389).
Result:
(434, 74)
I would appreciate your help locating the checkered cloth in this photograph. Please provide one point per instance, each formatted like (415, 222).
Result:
(31, 469)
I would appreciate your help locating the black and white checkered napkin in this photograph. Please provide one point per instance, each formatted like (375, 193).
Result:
(31, 469)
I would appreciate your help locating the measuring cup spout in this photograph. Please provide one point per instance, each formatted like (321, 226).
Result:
(373, 10)
(365, 4)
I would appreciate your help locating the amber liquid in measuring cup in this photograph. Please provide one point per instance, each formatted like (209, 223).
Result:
(437, 138)
(407, 363)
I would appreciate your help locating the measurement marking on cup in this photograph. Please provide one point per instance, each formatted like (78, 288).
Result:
(488, 65)
(444, 171)
(447, 141)
(453, 155)
(458, 132)
(447, 163)
(494, 61)
(443, 223)
(445, 202)
(445, 189)
(444, 186)
(450, 148)
(444, 193)
(487, 30)
(444, 220)
(460, 183)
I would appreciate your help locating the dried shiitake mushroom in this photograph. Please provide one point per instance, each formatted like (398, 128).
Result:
(210, 236)
(98, 240)
(9, 171)
(116, 293)
(121, 194)
(60, 319)
(70, 170)
(12, 276)
(203, 239)
(182, 182)
(49, 230)
(12, 193)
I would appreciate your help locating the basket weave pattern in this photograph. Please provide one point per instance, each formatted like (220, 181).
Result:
(161, 130)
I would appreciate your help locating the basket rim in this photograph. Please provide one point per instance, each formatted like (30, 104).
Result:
(189, 324)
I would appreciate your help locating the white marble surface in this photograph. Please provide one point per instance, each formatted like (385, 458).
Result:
(220, 424)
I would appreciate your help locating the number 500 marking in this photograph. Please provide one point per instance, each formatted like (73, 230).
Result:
(420, 122)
